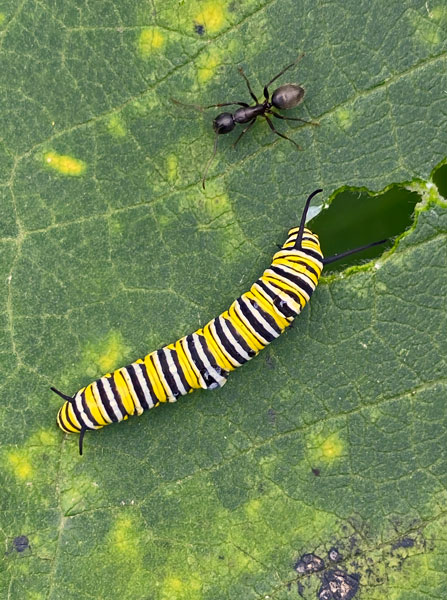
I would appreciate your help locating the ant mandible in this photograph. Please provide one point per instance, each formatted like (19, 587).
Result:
(286, 96)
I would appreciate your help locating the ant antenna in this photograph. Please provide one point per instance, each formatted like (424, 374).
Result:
(210, 161)
(283, 71)
(299, 237)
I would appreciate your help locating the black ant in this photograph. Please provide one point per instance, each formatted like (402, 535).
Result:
(286, 96)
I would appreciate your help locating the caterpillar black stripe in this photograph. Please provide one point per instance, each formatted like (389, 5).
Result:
(205, 358)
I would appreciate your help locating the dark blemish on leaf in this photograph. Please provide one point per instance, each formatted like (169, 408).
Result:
(316, 472)
(269, 362)
(221, 557)
(309, 563)
(300, 589)
(271, 415)
(334, 555)
(338, 585)
(406, 542)
(21, 543)
(200, 29)
(355, 546)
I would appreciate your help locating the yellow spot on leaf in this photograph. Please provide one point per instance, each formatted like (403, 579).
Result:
(105, 355)
(212, 16)
(325, 448)
(81, 494)
(2, 18)
(432, 37)
(174, 584)
(67, 165)
(207, 65)
(150, 40)
(176, 588)
(31, 595)
(253, 508)
(212, 207)
(45, 437)
(115, 227)
(116, 126)
(344, 118)
(332, 447)
(20, 464)
(426, 31)
(438, 14)
(172, 166)
(109, 359)
(121, 536)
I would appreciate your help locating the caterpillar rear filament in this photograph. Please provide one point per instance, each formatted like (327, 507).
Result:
(205, 358)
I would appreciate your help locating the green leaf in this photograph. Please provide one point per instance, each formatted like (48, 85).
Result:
(334, 438)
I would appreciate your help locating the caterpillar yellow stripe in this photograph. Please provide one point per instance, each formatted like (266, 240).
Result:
(205, 358)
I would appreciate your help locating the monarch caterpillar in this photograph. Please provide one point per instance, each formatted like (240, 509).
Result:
(205, 358)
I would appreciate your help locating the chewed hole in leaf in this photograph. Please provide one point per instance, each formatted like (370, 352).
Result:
(439, 178)
(357, 217)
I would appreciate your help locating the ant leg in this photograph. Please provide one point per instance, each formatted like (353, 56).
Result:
(278, 116)
(244, 131)
(210, 160)
(266, 92)
(227, 104)
(272, 127)
(241, 71)
(202, 108)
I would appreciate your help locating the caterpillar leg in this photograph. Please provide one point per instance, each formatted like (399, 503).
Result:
(81, 439)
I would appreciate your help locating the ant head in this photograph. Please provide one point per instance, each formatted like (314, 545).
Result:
(223, 123)
(288, 95)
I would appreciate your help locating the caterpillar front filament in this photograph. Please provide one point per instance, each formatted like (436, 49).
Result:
(205, 358)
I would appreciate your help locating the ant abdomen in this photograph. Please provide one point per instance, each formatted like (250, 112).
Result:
(288, 95)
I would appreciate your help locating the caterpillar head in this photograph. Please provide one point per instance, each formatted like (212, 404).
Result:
(300, 243)
(66, 418)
